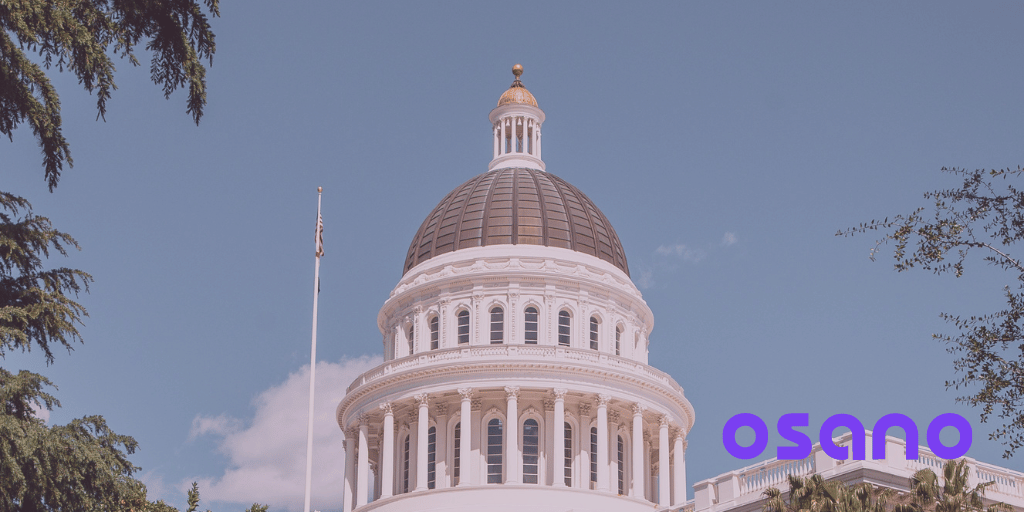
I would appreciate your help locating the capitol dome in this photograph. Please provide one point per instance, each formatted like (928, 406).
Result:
(516, 206)
(515, 346)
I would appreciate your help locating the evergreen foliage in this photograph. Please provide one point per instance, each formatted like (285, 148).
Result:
(954, 494)
(983, 217)
(85, 37)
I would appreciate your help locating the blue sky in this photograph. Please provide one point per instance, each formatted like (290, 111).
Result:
(727, 142)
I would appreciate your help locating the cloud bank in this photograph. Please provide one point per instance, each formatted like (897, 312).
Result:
(267, 458)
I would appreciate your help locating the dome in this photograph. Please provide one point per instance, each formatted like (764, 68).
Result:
(517, 93)
(516, 206)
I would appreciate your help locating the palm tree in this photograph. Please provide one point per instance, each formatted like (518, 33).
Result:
(954, 495)
(815, 494)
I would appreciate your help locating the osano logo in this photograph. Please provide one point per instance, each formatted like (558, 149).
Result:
(788, 422)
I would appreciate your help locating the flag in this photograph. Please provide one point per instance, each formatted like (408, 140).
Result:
(319, 235)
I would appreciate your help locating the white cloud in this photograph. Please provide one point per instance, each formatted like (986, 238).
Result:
(40, 412)
(681, 251)
(646, 279)
(267, 459)
(729, 238)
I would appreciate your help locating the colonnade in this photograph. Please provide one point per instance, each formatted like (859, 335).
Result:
(506, 136)
(477, 458)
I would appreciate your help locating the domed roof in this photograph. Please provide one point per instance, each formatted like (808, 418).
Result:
(516, 206)
(517, 93)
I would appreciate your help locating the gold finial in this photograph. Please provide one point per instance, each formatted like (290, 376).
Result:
(320, 189)
(517, 70)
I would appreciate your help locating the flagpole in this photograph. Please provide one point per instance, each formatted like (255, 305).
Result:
(312, 356)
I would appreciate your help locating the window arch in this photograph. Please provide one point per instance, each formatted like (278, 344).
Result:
(567, 466)
(564, 327)
(463, 321)
(435, 339)
(431, 456)
(621, 466)
(494, 451)
(530, 317)
(618, 340)
(531, 451)
(593, 457)
(405, 465)
(497, 325)
(595, 324)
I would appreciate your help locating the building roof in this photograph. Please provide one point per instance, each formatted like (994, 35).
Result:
(517, 93)
(516, 206)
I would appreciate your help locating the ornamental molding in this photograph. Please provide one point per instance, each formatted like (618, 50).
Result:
(466, 393)
(441, 409)
(613, 417)
(549, 404)
(584, 409)
(422, 399)
(387, 408)
(559, 393)
(475, 404)
(512, 392)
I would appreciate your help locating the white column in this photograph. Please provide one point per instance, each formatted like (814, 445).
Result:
(496, 135)
(351, 435)
(363, 474)
(387, 450)
(501, 144)
(538, 141)
(584, 455)
(638, 451)
(421, 442)
(512, 435)
(440, 446)
(664, 489)
(465, 438)
(613, 464)
(602, 442)
(679, 470)
(558, 440)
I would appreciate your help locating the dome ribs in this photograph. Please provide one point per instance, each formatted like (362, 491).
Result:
(516, 206)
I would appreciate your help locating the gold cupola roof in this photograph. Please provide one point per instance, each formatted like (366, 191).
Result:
(517, 93)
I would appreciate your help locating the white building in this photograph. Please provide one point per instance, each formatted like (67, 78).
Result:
(515, 348)
(516, 372)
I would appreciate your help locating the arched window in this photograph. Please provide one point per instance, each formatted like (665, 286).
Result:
(431, 456)
(530, 331)
(622, 472)
(434, 335)
(412, 337)
(594, 323)
(564, 324)
(456, 455)
(463, 318)
(405, 465)
(531, 451)
(568, 454)
(593, 457)
(618, 339)
(497, 325)
(494, 446)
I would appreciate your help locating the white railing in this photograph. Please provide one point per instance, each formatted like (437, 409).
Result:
(772, 473)
(485, 352)
(1008, 486)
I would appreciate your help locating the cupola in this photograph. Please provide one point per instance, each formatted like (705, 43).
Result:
(516, 126)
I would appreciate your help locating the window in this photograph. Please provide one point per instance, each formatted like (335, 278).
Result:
(531, 325)
(531, 453)
(497, 325)
(431, 456)
(463, 317)
(564, 323)
(593, 332)
(455, 462)
(494, 446)
(434, 337)
(412, 337)
(622, 473)
(593, 457)
(568, 454)
(405, 465)
(618, 339)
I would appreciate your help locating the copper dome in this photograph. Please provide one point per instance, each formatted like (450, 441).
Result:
(516, 206)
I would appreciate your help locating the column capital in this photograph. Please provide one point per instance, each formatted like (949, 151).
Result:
(677, 433)
(638, 408)
(512, 392)
(663, 421)
(584, 409)
(559, 393)
(364, 419)
(422, 399)
(387, 408)
(466, 393)
(351, 433)
(603, 399)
